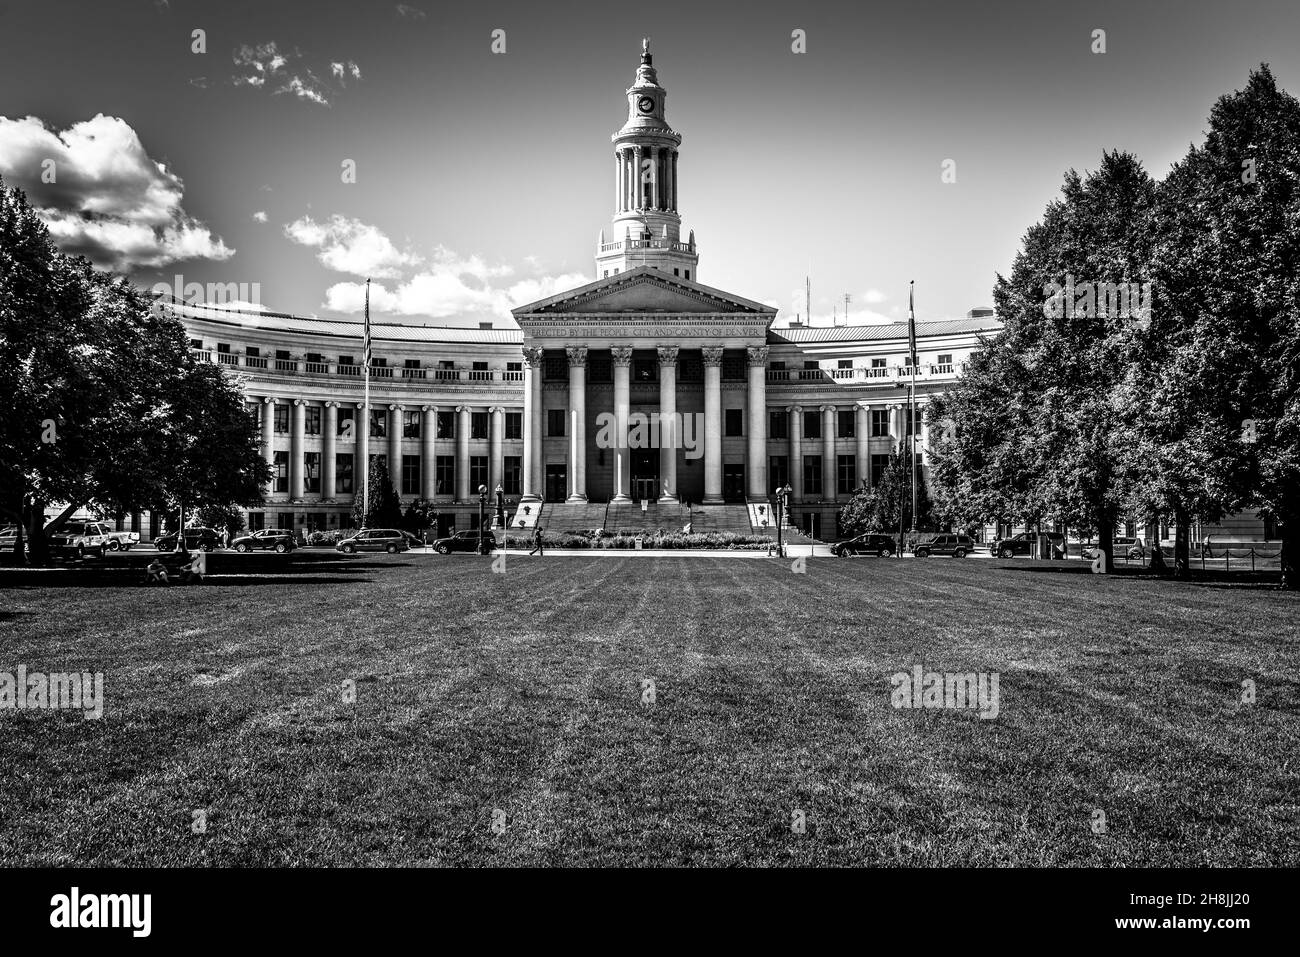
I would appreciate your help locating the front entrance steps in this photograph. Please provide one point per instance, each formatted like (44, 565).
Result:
(572, 516)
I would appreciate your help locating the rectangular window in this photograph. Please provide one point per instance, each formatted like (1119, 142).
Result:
(445, 474)
(478, 472)
(479, 366)
(735, 419)
(878, 465)
(410, 475)
(343, 473)
(514, 425)
(312, 426)
(879, 424)
(778, 470)
(511, 481)
(256, 521)
(446, 425)
(378, 423)
(776, 422)
(812, 425)
(844, 364)
(280, 472)
(285, 521)
(411, 424)
(733, 368)
(255, 353)
(945, 359)
(555, 422)
(281, 418)
(645, 370)
(847, 423)
(555, 369)
(311, 471)
(812, 475)
(877, 363)
(478, 425)
(347, 423)
(846, 467)
(375, 459)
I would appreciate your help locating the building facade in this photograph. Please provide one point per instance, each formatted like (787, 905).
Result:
(644, 386)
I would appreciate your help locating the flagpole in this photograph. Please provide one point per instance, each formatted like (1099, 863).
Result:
(364, 467)
(911, 396)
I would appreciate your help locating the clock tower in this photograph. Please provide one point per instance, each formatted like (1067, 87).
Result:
(647, 227)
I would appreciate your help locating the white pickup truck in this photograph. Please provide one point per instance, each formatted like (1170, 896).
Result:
(90, 538)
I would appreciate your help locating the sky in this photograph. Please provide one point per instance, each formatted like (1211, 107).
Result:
(482, 179)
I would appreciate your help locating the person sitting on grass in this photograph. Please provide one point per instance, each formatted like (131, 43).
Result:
(156, 573)
(192, 574)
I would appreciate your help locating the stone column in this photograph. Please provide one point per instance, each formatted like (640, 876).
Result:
(654, 177)
(669, 434)
(329, 429)
(534, 476)
(395, 447)
(496, 455)
(896, 432)
(862, 439)
(298, 427)
(577, 423)
(712, 425)
(268, 437)
(796, 452)
(361, 457)
(622, 358)
(829, 477)
(674, 193)
(756, 468)
(462, 453)
(618, 182)
(428, 451)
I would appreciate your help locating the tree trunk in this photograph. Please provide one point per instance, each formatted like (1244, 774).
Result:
(1182, 543)
(38, 544)
(1290, 555)
(1106, 540)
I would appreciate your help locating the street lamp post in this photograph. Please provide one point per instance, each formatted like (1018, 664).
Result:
(482, 516)
(500, 520)
(782, 503)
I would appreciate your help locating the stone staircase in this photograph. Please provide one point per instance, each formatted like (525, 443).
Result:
(628, 517)
(572, 517)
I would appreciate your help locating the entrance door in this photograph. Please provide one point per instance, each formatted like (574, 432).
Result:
(557, 483)
(733, 483)
(645, 474)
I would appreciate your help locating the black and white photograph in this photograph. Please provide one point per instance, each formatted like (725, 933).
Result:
(531, 449)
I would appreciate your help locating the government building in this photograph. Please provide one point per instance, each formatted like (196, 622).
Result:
(645, 399)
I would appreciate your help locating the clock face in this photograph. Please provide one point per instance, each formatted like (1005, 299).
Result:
(646, 104)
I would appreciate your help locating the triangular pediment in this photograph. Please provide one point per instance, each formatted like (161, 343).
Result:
(644, 291)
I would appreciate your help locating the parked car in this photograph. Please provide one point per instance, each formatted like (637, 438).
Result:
(871, 543)
(79, 539)
(389, 540)
(462, 542)
(958, 546)
(1023, 544)
(1123, 545)
(8, 536)
(413, 540)
(122, 541)
(279, 539)
(196, 537)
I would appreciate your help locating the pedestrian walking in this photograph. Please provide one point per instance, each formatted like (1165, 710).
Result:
(537, 543)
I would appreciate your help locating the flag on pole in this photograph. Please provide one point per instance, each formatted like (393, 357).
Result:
(911, 321)
(365, 338)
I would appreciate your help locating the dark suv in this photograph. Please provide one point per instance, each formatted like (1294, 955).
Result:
(202, 539)
(871, 543)
(1023, 543)
(280, 539)
(462, 542)
(958, 546)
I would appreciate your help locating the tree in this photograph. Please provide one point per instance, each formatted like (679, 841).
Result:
(108, 407)
(1219, 407)
(877, 508)
(420, 514)
(1044, 397)
(385, 503)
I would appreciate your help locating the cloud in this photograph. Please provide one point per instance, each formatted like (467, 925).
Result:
(109, 200)
(351, 246)
(872, 297)
(451, 286)
(260, 215)
(265, 65)
(408, 12)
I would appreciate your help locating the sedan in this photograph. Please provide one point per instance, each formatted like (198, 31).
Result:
(203, 539)
(869, 544)
(462, 542)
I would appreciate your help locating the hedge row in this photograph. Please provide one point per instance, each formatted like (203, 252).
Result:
(598, 538)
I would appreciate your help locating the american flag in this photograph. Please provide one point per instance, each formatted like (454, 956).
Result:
(911, 321)
(365, 338)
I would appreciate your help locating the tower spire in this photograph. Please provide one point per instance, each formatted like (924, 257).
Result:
(647, 224)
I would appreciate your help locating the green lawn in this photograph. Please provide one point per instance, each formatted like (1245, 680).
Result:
(522, 692)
